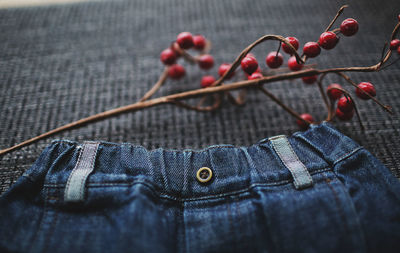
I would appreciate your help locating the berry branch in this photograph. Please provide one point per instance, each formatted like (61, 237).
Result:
(216, 90)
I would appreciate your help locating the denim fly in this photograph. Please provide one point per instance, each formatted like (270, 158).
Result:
(314, 191)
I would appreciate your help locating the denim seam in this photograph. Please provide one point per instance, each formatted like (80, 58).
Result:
(29, 178)
(43, 217)
(338, 204)
(168, 150)
(351, 205)
(347, 155)
(185, 245)
(211, 196)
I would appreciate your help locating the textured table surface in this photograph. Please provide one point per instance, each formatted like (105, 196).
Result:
(62, 63)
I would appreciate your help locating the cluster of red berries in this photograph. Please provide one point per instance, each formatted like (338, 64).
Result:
(345, 106)
(327, 40)
(249, 64)
(185, 41)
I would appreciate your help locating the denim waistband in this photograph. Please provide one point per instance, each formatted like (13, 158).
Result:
(174, 173)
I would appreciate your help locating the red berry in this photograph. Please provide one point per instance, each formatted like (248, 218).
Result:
(311, 49)
(249, 64)
(199, 42)
(309, 79)
(293, 65)
(168, 56)
(367, 87)
(206, 81)
(185, 40)
(349, 27)
(307, 117)
(344, 115)
(176, 71)
(223, 68)
(394, 44)
(345, 104)
(206, 61)
(274, 61)
(334, 93)
(255, 75)
(293, 41)
(328, 40)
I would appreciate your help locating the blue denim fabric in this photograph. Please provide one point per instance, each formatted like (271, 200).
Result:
(136, 200)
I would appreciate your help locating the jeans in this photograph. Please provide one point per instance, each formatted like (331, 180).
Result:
(315, 191)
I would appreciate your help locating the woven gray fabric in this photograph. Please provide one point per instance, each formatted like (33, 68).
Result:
(62, 63)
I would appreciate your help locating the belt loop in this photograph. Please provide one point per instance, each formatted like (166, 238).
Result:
(75, 188)
(301, 176)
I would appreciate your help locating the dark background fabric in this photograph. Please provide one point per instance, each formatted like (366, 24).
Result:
(62, 63)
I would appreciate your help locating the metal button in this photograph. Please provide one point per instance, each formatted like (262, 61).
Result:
(204, 174)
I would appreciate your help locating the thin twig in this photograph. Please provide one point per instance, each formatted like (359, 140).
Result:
(157, 86)
(216, 105)
(390, 64)
(281, 104)
(322, 92)
(336, 17)
(240, 100)
(189, 58)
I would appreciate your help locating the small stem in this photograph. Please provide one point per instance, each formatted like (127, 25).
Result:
(391, 63)
(281, 104)
(336, 17)
(189, 58)
(156, 86)
(331, 109)
(240, 100)
(322, 92)
(277, 51)
(383, 52)
(213, 107)
(202, 100)
(207, 48)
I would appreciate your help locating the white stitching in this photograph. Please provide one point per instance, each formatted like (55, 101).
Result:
(347, 155)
